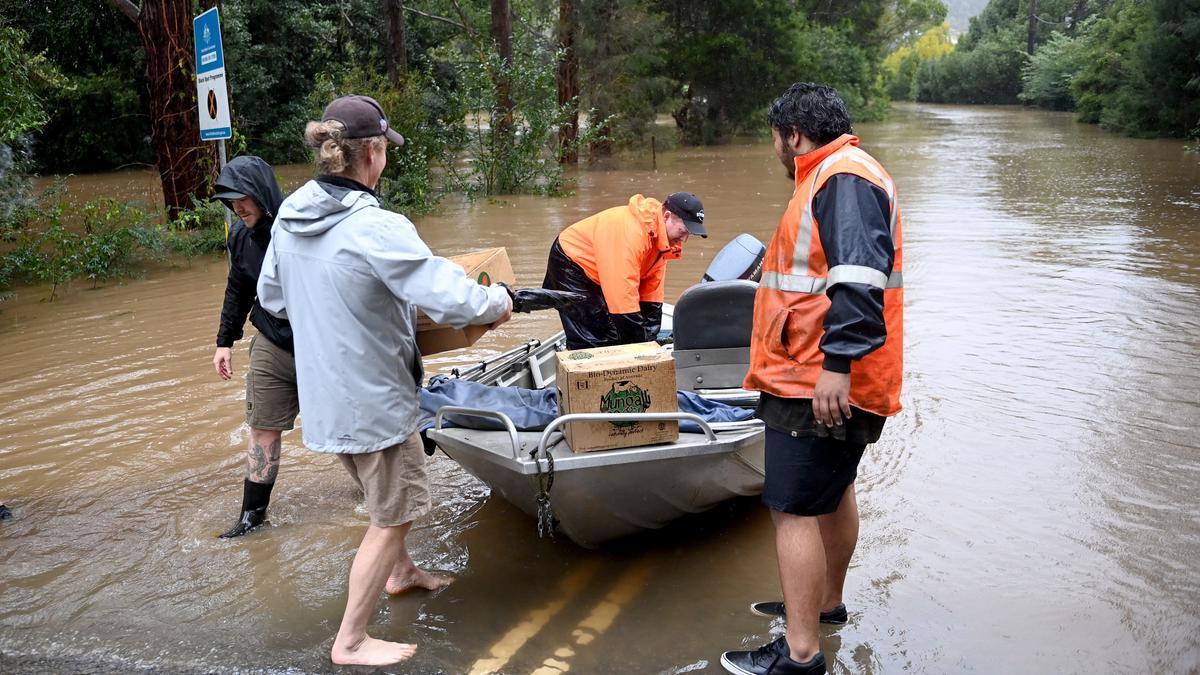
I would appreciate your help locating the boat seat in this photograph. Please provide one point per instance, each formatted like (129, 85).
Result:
(712, 325)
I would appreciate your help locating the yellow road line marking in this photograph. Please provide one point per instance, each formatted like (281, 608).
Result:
(602, 616)
(512, 641)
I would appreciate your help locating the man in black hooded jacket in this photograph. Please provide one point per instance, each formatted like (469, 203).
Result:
(248, 187)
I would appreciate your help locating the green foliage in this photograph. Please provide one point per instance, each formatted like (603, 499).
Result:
(62, 242)
(731, 58)
(1142, 72)
(276, 51)
(899, 70)
(990, 72)
(97, 113)
(429, 120)
(197, 231)
(525, 159)
(621, 49)
(1046, 80)
(24, 76)
(80, 138)
(56, 242)
(832, 55)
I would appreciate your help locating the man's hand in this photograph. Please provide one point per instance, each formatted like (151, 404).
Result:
(223, 362)
(831, 398)
(506, 317)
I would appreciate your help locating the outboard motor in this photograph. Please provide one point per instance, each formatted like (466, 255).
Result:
(741, 258)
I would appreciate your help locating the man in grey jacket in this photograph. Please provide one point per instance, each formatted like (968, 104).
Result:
(349, 276)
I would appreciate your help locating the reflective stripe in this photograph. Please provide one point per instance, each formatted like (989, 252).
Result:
(804, 233)
(854, 274)
(794, 283)
(857, 274)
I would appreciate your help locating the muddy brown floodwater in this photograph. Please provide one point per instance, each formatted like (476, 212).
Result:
(1033, 509)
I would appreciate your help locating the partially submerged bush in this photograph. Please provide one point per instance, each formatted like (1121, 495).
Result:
(100, 240)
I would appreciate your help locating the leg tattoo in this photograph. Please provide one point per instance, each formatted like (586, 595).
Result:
(263, 462)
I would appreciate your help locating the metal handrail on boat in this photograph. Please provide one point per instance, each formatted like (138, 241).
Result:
(477, 412)
(493, 362)
(623, 417)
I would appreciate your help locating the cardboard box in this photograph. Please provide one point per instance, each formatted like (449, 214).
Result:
(626, 378)
(486, 267)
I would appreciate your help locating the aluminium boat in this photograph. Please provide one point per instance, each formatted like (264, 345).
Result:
(596, 497)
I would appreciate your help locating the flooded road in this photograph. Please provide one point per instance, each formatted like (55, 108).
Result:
(1033, 509)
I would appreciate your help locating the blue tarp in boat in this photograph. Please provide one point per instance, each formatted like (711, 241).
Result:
(533, 409)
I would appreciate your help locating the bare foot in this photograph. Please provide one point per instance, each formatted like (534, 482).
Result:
(371, 652)
(415, 577)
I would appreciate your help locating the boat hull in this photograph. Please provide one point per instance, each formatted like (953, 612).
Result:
(601, 496)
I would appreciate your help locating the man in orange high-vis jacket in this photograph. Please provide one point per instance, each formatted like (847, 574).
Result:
(618, 259)
(825, 355)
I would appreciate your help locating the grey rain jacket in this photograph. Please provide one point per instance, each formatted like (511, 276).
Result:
(252, 177)
(349, 276)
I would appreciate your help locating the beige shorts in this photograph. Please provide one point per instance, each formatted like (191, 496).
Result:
(271, 399)
(394, 481)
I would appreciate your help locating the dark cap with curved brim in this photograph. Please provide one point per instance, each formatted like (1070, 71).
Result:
(362, 116)
(690, 210)
(225, 194)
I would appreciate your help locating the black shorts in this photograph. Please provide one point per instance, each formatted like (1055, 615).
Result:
(807, 475)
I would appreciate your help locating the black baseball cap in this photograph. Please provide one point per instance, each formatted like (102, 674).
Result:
(689, 209)
(362, 116)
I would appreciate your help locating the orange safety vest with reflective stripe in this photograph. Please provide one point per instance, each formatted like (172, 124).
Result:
(790, 305)
(624, 250)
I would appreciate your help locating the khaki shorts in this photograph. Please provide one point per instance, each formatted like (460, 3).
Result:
(393, 480)
(271, 399)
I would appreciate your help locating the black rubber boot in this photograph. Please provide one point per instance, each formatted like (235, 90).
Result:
(255, 497)
(5, 514)
(248, 521)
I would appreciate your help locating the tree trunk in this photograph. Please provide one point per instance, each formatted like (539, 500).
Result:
(396, 48)
(1032, 40)
(568, 82)
(502, 34)
(186, 165)
(602, 145)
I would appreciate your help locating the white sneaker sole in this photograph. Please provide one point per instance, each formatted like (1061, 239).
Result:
(727, 665)
(759, 612)
(739, 671)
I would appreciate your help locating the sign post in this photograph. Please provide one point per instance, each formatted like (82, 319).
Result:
(212, 94)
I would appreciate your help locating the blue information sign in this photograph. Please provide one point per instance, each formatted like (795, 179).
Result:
(212, 96)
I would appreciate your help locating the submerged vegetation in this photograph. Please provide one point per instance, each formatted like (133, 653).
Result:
(53, 242)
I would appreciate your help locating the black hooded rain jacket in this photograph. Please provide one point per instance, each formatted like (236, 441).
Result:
(253, 177)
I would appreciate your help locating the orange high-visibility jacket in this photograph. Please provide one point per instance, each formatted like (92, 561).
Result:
(625, 250)
(791, 304)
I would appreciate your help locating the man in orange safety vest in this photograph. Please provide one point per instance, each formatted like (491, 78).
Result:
(825, 356)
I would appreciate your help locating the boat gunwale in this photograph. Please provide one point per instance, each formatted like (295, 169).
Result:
(690, 445)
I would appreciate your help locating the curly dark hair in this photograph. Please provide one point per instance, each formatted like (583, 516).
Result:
(814, 110)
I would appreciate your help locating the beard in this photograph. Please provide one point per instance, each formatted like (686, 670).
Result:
(789, 164)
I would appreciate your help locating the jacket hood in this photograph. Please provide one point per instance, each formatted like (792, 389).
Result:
(316, 207)
(649, 211)
(253, 177)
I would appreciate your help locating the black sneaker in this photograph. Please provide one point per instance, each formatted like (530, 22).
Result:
(771, 659)
(836, 616)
